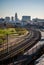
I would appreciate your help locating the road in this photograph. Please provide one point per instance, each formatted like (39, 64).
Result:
(28, 42)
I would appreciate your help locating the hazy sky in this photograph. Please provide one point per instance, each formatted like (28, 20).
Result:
(34, 8)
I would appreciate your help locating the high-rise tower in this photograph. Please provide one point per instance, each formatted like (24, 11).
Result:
(16, 18)
(12, 18)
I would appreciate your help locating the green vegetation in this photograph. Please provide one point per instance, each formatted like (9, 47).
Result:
(21, 31)
(10, 31)
(7, 31)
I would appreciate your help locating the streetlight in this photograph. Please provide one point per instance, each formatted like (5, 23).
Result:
(7, 43)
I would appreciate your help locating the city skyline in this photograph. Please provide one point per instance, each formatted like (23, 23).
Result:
(32, 8)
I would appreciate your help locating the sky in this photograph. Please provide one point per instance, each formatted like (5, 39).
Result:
(33, 8)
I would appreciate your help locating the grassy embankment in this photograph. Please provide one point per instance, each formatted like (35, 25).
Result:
(10, 31)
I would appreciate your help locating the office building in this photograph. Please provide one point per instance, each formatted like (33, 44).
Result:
(38, 20)
(26, 18)
(12, 18)
(16, 18)
(7, 19)
(1, 20)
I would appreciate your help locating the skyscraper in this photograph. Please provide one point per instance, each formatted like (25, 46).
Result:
(16, 18)
(12, 18)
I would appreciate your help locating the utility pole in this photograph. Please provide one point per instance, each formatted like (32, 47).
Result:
(7, 43)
